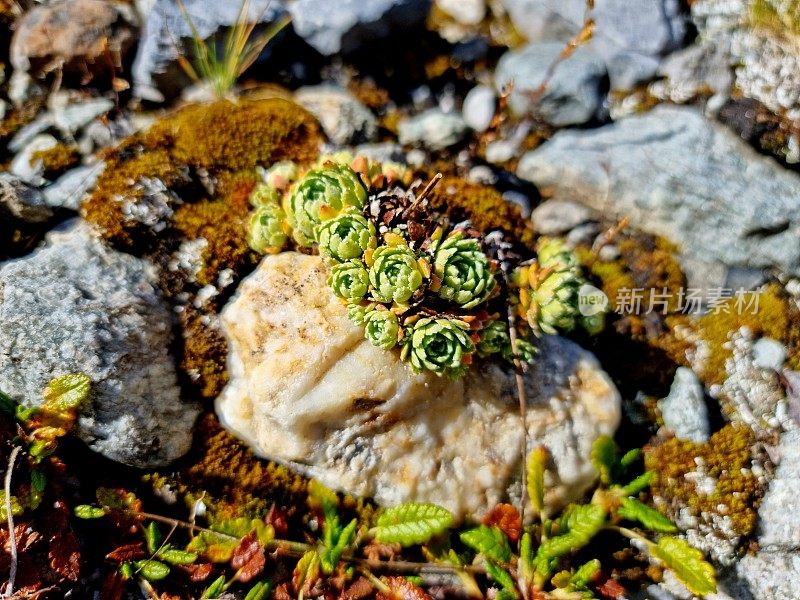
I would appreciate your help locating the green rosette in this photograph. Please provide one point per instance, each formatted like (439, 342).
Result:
(554, 303)
(321, 195)
(381, 328)
(394, 274)
(553, 254)
(264, 194)
(268, 229)
(441, 345)
(464, 270)
(349, 280)
(346, 236)
(493, 338)
(527, 351)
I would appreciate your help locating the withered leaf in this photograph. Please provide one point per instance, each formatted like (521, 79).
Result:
(247, 549)
(506, 518)
(127, 552)
(402, 589)
(65, 556)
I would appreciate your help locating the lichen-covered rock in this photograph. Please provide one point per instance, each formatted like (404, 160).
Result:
(308, 390)
(677, 174)
(78, 306)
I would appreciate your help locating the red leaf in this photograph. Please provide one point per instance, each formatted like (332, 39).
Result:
(282, 592)
(611, 588)
(507, 518)
(279, 521)
(127, 552)
(401, 589)
(253, 567)
(360, 588)
(112, 587)
(197, 572)
(247, 549)
(65, 556)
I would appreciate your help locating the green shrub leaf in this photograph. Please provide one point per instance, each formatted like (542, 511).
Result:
(502, 578)
(259, 591)
(152, 570)
(411, 523)
(67, 392)
(177, 557)
(152, 536)
(489, 541)
(87, 511)
(633, 510)
(637, 485)
(688, 564)
(604, 458)
(215, 589)
(577, 526)
(537, 461)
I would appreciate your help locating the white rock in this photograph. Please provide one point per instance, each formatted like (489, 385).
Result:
(466, 12)
(308, 390)
(479, 107)
(684, 409)
(769, 354)
(22, 167)
(343, 117)
(433, 128)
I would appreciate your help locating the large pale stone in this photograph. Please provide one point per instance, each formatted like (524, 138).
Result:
(308, 390)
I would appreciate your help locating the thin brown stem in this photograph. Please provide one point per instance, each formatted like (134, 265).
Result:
(12, 536)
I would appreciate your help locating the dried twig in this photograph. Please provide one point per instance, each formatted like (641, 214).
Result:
(609, 235)
(12, 537)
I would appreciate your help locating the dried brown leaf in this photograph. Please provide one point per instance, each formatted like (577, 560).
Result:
(401, 588)
(127, 552)
(506, 518)
(247, 549)
(65, 556)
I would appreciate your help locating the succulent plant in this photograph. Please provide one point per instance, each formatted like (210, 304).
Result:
(321, 195)
(554, 302)
(441, 344)
(527, 352)
(357, 312)
(281, 174)
(346, 236)
(464, 270)
(264, 194)
(268, 229)
(349, 280)
(381, 328)
(494, 338)
(395, 274)
(553, 254)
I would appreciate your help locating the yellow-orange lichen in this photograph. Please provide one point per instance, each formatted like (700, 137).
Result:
(57, 159)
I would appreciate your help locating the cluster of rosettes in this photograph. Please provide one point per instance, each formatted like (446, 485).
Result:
(408, 278)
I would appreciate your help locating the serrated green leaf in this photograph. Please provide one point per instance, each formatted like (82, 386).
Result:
(215, 589)
(489, 541)
(604, 458)
(16, 507)
(307, 569)
(501, 577)
(152, 536)
(411, 523)
(87, 511)
(577, 526)
(259, 591)
(67, 392)
(633, 510)
(585, 573)
(38, 481)
(687, 563)
(126, 570)
(637, 485)
(537, 462)
(329, 557)
(152, 570)
(174, 556)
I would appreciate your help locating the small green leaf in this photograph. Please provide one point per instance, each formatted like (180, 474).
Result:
(152, 536)
(502, 578)
(16, 507)
(67, 392)
(411, 523)
(630, 457)
(7, 405)
(585, 573)
(688, 564)
(633, 510)
(215, 589)
(306, 570)
(152, 570)
(126, 570)
(329, 557)
(87, 511)
(637, 485)
(177, 557)
(604, 458)
(38, 481)
(259, 591)
(526, 557)
(489, 541)
(577, 526)
(537, 462)
(25, 413)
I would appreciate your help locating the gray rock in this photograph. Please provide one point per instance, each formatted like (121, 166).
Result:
(684, 410)
(382, 152)
(558, 216)
(21, 202)
(30, 171)
(69, 118)
(78, 306)
(572, 96)
(479, 107)
(629, 36)
(768, 576)
(166, 31)
(433, 128)
(779, 514)
(697, 70)
(769, 354)
(674, 173)
(342, 26)
(70, 190)
(343, 118)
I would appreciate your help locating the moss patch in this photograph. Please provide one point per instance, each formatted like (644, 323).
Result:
(726, 459)
(57, 159)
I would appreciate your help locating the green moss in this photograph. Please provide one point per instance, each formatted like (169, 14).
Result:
(776, 317)
(727, 458)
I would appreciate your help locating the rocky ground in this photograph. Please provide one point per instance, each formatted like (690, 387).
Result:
(659, 139)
